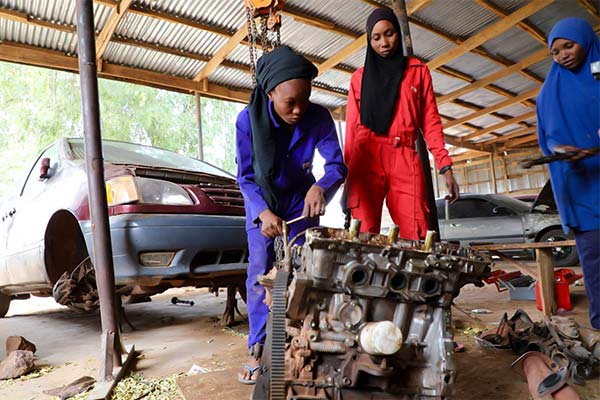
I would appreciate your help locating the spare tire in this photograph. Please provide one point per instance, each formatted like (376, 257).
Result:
(561, 256)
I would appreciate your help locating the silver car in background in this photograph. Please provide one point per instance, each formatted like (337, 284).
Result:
(495, 218)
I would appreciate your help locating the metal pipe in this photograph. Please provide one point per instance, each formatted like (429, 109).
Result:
(102, 256)
(399, 7)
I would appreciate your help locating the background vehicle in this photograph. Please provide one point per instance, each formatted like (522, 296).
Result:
(174, 221)
(494, 218)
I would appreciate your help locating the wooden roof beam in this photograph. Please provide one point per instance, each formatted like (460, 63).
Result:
(484, 82)
(590, 7)
(412, 6)
(480, 51)
(361, 41)
(500, 125)
(523, 25)
(511, 135)
(222, 54)
(488, 33)
(526, 95)
(25, 18)
(25, 54)
(109, 29)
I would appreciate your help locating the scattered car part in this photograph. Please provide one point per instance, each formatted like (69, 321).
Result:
(545, 379)
(176, 301)
(558, 338)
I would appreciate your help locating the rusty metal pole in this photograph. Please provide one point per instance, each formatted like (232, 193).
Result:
(399, 7)
(103, 261)
(199, 120)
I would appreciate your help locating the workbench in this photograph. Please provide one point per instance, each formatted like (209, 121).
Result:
(544, 272)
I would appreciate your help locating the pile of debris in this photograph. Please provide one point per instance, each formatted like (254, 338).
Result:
(551, 352)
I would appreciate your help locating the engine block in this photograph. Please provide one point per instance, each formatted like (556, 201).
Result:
(369, 317)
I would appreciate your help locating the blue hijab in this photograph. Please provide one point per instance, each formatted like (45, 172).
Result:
(568, 109)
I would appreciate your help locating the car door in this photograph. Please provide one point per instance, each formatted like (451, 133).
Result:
(480, 220)
(26, 224)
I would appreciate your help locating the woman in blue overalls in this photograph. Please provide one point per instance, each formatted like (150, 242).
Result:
(277, 135)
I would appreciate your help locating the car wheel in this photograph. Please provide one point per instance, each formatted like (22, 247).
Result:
(561, 256)
(4, 304)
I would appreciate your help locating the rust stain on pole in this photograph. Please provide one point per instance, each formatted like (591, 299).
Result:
(103, 261)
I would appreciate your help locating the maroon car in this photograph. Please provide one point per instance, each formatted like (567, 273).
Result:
(174, 221)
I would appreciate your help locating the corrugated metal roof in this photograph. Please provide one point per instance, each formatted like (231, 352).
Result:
(458, 18)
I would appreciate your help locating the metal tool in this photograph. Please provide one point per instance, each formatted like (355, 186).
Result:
(176, 301)
(558, 157)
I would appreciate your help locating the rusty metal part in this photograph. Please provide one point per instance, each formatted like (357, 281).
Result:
(77, 290)
(545, 379)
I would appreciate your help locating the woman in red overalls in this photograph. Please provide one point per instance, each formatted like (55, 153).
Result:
(389, 101)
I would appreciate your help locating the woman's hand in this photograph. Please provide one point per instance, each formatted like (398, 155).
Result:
(271, 224)
(578, 152)
(314, 202)
(452, 186)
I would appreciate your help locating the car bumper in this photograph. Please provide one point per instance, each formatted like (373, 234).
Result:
(203, 244)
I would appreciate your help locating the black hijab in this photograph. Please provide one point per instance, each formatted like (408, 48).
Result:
(381, 78)
(280, 65)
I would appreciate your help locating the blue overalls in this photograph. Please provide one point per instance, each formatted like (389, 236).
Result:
(294, 158)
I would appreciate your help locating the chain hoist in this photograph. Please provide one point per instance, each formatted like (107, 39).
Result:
(266, 31)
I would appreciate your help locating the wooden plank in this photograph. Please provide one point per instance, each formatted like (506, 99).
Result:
(527, 61)
(222, 54)
(500, 125)
(498, 106)
(488, 33)
(522, 268)
(545, 270)
(493, 173)
(341, 55)
(590, 7)
(535, 32)
(24, 18)
(526, 246)
(51, 59)
(318, 22)
(511, 135)
(109, 27)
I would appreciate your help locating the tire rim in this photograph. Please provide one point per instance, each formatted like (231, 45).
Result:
(560, 253)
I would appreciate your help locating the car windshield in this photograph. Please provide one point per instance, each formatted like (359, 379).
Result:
(517, 205)
(129, 153)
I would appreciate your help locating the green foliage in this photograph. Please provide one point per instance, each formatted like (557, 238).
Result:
(37, 106)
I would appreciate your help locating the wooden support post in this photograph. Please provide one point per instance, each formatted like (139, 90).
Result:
(545, 271)
(493, 173)
(199, 120)
(505, 173)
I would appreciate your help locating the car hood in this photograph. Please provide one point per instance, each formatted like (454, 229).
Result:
(545, 198)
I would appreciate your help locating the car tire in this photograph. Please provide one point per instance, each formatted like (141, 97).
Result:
(561, 256)
(4, 304)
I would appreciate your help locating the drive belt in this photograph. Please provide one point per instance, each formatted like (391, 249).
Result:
(278, 336)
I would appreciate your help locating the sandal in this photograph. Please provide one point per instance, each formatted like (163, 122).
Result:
(252, 371)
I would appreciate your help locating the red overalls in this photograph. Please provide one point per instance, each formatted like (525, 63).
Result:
(388, 167)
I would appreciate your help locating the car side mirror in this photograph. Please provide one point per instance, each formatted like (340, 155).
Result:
(45, 168)
(501, 210)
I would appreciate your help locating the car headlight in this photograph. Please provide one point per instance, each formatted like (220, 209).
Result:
(156, 191)
(121, 190)
(131, 189)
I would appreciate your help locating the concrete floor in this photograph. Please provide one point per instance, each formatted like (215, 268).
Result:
(173, 338)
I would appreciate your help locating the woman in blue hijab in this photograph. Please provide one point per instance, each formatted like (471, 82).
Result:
(568, 111)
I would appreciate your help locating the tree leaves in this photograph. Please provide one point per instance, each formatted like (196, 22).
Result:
(38, 106)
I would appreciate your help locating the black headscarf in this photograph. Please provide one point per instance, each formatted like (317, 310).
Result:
(280, 65)
(381, 78)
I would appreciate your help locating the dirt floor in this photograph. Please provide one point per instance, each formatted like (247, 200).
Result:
(174, 338)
